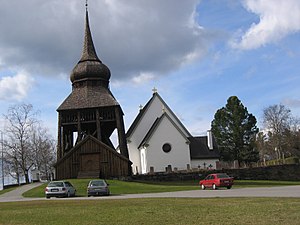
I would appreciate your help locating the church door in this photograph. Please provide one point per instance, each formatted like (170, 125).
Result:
(90, 162)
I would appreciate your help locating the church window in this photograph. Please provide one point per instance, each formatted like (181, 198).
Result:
(166, 147)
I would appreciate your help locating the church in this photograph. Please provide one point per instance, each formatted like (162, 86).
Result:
(88, 117)
(158, 142)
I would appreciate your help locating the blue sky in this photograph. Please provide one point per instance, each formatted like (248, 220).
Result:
(196, 53)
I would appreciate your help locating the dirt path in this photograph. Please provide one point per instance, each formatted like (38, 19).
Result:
(16, 194)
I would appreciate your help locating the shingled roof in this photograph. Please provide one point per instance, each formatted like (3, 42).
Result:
(90, 79)
(200, 150)
(88, 97)
(89, 66)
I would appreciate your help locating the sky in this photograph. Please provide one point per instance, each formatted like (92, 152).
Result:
(195, 53)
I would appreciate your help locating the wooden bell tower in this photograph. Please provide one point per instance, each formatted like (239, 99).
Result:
(86, 120)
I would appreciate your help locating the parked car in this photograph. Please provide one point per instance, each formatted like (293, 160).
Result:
(97, 187)
(216, 180)
(60, 189)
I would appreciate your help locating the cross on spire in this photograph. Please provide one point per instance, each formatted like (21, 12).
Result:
(154, 90)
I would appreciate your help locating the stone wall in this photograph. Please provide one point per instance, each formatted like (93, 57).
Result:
(278, 172)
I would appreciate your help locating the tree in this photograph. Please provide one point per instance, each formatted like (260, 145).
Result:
(43, 149)
(24, 149)
(293, 138)
(20, 120)
(276, 120)
(234, 130)
(261, 144)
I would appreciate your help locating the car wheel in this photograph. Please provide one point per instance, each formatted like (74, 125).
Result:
(47, 197)
(202, 187)
(214, 187)
(228, 187)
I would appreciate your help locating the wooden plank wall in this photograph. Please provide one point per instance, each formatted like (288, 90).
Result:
(112, 163)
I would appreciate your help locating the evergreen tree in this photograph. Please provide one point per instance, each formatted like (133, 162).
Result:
(234, 130)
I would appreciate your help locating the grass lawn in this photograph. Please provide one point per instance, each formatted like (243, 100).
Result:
(160, 211)
(121, 187)
(118, 187)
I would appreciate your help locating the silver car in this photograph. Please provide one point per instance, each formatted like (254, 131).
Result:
(60, 189)
(97, 187)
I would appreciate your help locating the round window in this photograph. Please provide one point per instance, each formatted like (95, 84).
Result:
(166, 147)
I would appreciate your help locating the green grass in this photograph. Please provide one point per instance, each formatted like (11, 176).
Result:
(154, 211)
(117, 187)
(121, 187)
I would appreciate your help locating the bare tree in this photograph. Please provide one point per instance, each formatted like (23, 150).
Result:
(43, 149)
(20, 120)
(283, 131)
(277, 121)
(292, 136)
(261, 145)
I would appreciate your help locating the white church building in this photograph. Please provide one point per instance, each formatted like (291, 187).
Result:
(157, 140)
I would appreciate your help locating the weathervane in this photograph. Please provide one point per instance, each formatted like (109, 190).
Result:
(86, 5)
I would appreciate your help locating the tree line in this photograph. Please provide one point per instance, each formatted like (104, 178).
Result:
(26, 143)
(238, 137)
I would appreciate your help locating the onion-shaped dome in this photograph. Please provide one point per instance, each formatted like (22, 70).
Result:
(89, 66)
(92, 70)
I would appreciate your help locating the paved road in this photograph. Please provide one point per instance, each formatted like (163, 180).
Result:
(283, 191)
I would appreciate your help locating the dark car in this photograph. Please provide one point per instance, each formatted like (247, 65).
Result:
(60, 189)
(216, 180)
(98, 187)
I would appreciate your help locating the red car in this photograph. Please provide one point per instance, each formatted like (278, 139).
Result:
(216, 180)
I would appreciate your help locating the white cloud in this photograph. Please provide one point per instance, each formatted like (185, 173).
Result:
(15, 87)
(277, 19)
(290, 102)
(143, 78)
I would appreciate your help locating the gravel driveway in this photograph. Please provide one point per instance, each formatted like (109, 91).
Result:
(282, 191)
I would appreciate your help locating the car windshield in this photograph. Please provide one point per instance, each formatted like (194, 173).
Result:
(56, 184)
(222, 175)
(97, 183)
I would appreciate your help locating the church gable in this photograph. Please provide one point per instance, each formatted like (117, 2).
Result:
(94, 158)
(154, 109)
(165, 144)
(156, 125)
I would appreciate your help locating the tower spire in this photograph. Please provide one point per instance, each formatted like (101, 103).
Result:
(88, 52)
(89, 66)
